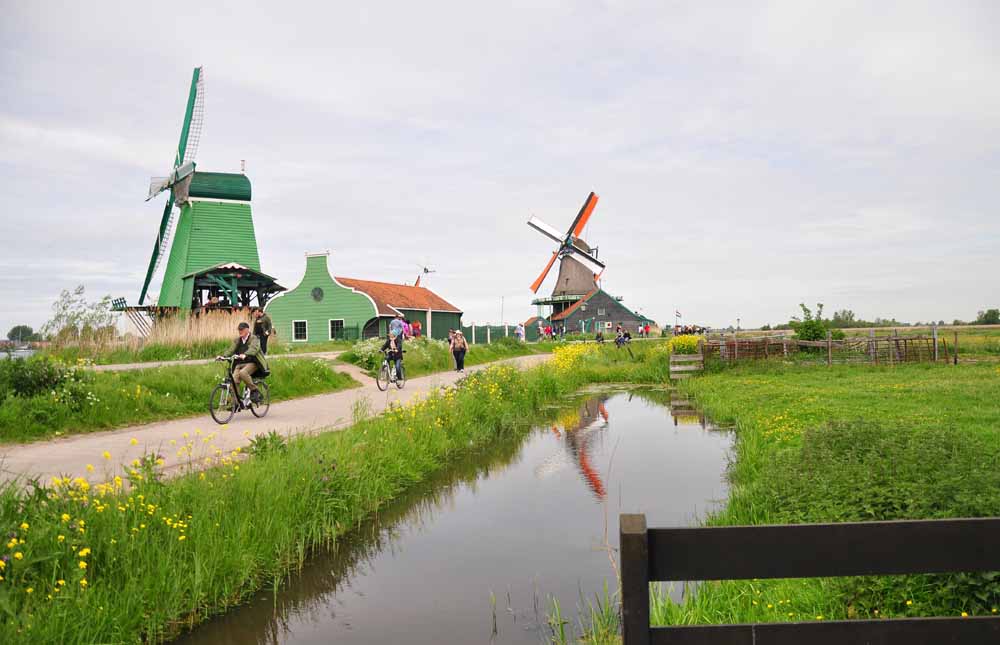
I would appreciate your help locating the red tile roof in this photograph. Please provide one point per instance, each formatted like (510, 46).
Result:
(568, 310)
(390, 297)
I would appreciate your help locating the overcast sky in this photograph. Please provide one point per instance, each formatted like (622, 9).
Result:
(747, 157)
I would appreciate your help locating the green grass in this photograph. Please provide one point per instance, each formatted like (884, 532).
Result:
(165, 555)
(91, 401)
(157, 352)
(852, 444)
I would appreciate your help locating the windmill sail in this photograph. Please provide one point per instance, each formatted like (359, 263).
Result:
(194, 116)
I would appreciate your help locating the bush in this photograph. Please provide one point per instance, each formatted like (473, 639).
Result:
(686, 344)
(36, 375)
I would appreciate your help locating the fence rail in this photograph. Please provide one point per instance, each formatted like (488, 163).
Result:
(805, 551)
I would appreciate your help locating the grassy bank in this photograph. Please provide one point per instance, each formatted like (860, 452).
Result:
(851, 444)
(39, 399)
(166, 555)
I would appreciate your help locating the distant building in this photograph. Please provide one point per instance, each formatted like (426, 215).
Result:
(323, 307)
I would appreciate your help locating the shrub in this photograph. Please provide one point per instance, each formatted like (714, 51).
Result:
(686, 344)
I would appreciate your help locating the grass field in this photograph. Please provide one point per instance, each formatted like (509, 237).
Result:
(93, 563)
(851, 443)
(85, 400)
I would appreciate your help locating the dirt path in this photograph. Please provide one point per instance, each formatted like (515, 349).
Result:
(70, 456)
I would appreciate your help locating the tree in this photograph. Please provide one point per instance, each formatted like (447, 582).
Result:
(22, 333)
(73, 316)
(988, 317)
(843, 318)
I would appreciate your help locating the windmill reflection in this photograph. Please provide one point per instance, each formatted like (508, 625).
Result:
(582, 430)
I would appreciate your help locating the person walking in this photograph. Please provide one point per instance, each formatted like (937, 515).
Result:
(262, 328)
(458, 349)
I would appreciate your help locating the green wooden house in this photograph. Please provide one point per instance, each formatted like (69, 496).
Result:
(323, 307)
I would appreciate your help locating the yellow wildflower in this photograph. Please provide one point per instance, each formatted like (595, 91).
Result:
(83, 583)
(133, 441)
(84, 552)
(61, 538)
(24, 526)
(106, 455)
(83, 565)
(18, 555)
(90, 468)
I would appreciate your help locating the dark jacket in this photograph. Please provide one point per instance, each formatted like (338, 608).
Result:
(262, 326)
(252, 350)
(394, 351)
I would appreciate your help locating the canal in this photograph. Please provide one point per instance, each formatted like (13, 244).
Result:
(477, 554)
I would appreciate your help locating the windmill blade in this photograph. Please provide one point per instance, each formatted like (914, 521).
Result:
(593, 264)
(546, 230)
(585, 212)
(158, 246)
(194, 114)
(541, 278)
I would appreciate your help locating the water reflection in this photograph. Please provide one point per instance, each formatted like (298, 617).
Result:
(520, 522)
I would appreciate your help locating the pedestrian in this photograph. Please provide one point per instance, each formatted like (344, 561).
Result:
(458, 349)
(407, 328)
(417, 328)
(396, 328)
(262, 328)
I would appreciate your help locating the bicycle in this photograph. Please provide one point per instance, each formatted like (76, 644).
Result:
(387, 373)
(226, 400)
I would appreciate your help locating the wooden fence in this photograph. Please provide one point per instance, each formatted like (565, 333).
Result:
(805, 551)
(886, 350)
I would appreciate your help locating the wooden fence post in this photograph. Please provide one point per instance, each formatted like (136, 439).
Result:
(634, 543)
(934, 333)
(829, 348)
(873, 345)
(736, 347)
(956, 348)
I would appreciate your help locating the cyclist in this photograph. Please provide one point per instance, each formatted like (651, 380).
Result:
(250, 360)
(394, 346)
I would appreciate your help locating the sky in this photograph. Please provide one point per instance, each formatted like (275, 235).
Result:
(748, 155)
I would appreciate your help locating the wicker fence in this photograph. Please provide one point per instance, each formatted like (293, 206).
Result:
(887, 350)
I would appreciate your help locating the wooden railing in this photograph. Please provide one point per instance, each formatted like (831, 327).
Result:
(805, 551)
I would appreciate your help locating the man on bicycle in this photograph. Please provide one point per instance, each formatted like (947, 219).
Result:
(249, 360)
(394, 346)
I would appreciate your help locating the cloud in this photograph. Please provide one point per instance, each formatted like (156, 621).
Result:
(747, 157)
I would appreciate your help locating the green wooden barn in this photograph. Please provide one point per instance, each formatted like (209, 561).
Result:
(323, 307)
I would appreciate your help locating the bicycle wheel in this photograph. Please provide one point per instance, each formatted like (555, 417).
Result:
(401, 378)
(260, 409)
(222, 403)
(382, 377)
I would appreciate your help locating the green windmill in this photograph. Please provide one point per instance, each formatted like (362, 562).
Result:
(206, 233)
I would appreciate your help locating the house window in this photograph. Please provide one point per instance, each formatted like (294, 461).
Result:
(337, 329)
(300, 330)
(608, 325)
(601, 312)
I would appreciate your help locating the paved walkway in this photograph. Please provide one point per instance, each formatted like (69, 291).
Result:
(70, 456)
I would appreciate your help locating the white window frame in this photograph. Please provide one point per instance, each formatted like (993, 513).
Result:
(300, 340)
(601, 311)
(329, 327)
(608, 324)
